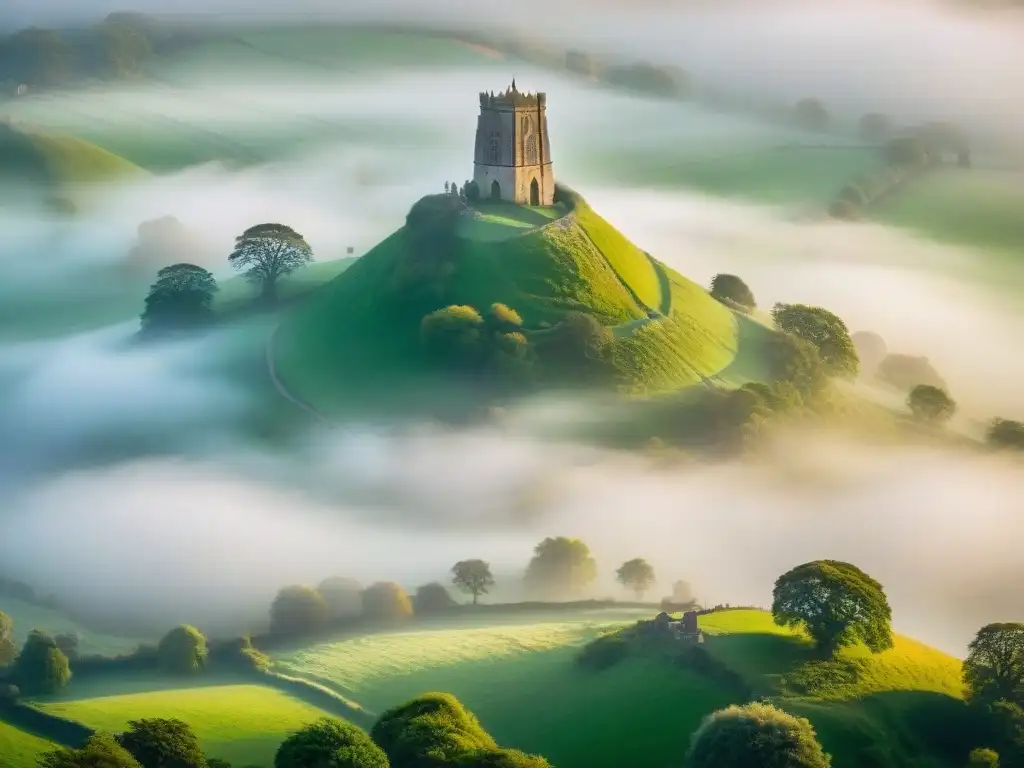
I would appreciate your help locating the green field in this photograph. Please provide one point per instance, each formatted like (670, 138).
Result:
(27, 617)
(19, 749)
(500, 221)
(362, 332)
(967, 206)
(520, 679)
(243, 724)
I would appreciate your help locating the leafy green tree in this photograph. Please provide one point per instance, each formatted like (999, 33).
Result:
(994, 667)
(8, 649)
(561, 566)
(983, 758)
(837, 603)
(797, 363)
(386, 600)
(298, 610)
(68, 644)
(100, 751)
(431, 598)
(636, 574)
(755, 734)
(732, 288)
(436, 731)
(473, 577)
(1004, 433)
(41, 667)
(330, 743)
(930, 404)
(825, 331)
(268, 252)
(181, 297)
(162, 743)
(39, 57)
(344, 597)
(182, 651)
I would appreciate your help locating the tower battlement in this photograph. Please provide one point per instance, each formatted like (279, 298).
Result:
(513, 154)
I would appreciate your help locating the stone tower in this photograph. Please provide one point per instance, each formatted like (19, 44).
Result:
(513, 155)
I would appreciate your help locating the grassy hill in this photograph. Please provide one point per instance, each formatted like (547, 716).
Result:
(19, 749)
(27, 617)
(243, 724)
(521, 679)
(361, 332)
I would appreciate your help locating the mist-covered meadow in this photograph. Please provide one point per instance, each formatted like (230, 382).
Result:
(135, 482)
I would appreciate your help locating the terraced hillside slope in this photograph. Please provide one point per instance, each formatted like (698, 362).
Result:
(522, 680)
(361, 331)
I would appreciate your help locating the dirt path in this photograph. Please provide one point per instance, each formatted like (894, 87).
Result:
(279, 385)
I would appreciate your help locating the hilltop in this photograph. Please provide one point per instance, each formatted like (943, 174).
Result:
(361, 332)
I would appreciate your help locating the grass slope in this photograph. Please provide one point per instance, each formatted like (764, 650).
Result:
(521, 680)
(27, 617)
(243, 724)
(362, 332)
(19, 749)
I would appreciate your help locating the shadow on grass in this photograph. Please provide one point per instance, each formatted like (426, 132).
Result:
(761, 659)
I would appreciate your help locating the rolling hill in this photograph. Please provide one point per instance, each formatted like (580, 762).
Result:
(360, 333)
(19, 749)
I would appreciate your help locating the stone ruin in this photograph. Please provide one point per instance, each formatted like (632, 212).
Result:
(685, 630)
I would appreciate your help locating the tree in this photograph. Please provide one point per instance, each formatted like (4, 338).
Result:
(181, 297)
(825, 331)
(100, 751)
(344, 597)
(8, 649)
(473, 577)
(454, 335)
(386, 600)
(636, 574)
(330, 743)
(871, 350)
(561, 565)
(994, 667)
(268, 252)
(39, 57)
(503, 319)
(297, 610)
(811, 115)
(182, 651)
(431, 598)
(931, 404)
(40, 668)
(732, 288)
(837, 603)
(435, 730)
(904, 372)
(120, 50)
(982, 758)
(797, 363)
(755, 734)
(874, 127)
(1004, 433)
(579, 349)
(162, 743)
(907, 151)
(68, 644)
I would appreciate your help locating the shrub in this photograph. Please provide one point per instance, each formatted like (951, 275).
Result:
(504, 318)
(1004, 433)
(603, 652)
(100, 751)
(731, 287)
(453, 334)
(982, 758)
(432, 598)
(755, 734)
(330, 743)
(386, 600)
(162, 743)
(297, 610)
(238, 653)
(182, 651)
(931, 404)
(344, 597)
(41, 667)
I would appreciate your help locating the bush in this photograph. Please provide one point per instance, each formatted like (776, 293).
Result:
(453, 334)
(1004, 433)
(239, 653)
(344, 597)
(182, 651)
(386, 600)
(930, 404)
(41, 667)
(604, 652)
(297, 610)
(504, 318)
(162, 743)
(731, 287)
(432, 598)
(100, 751)
(755, 735)
(982, 758)
(330, 743)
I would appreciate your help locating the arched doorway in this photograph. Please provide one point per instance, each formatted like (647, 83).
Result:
(495, 190)
(534, 193)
